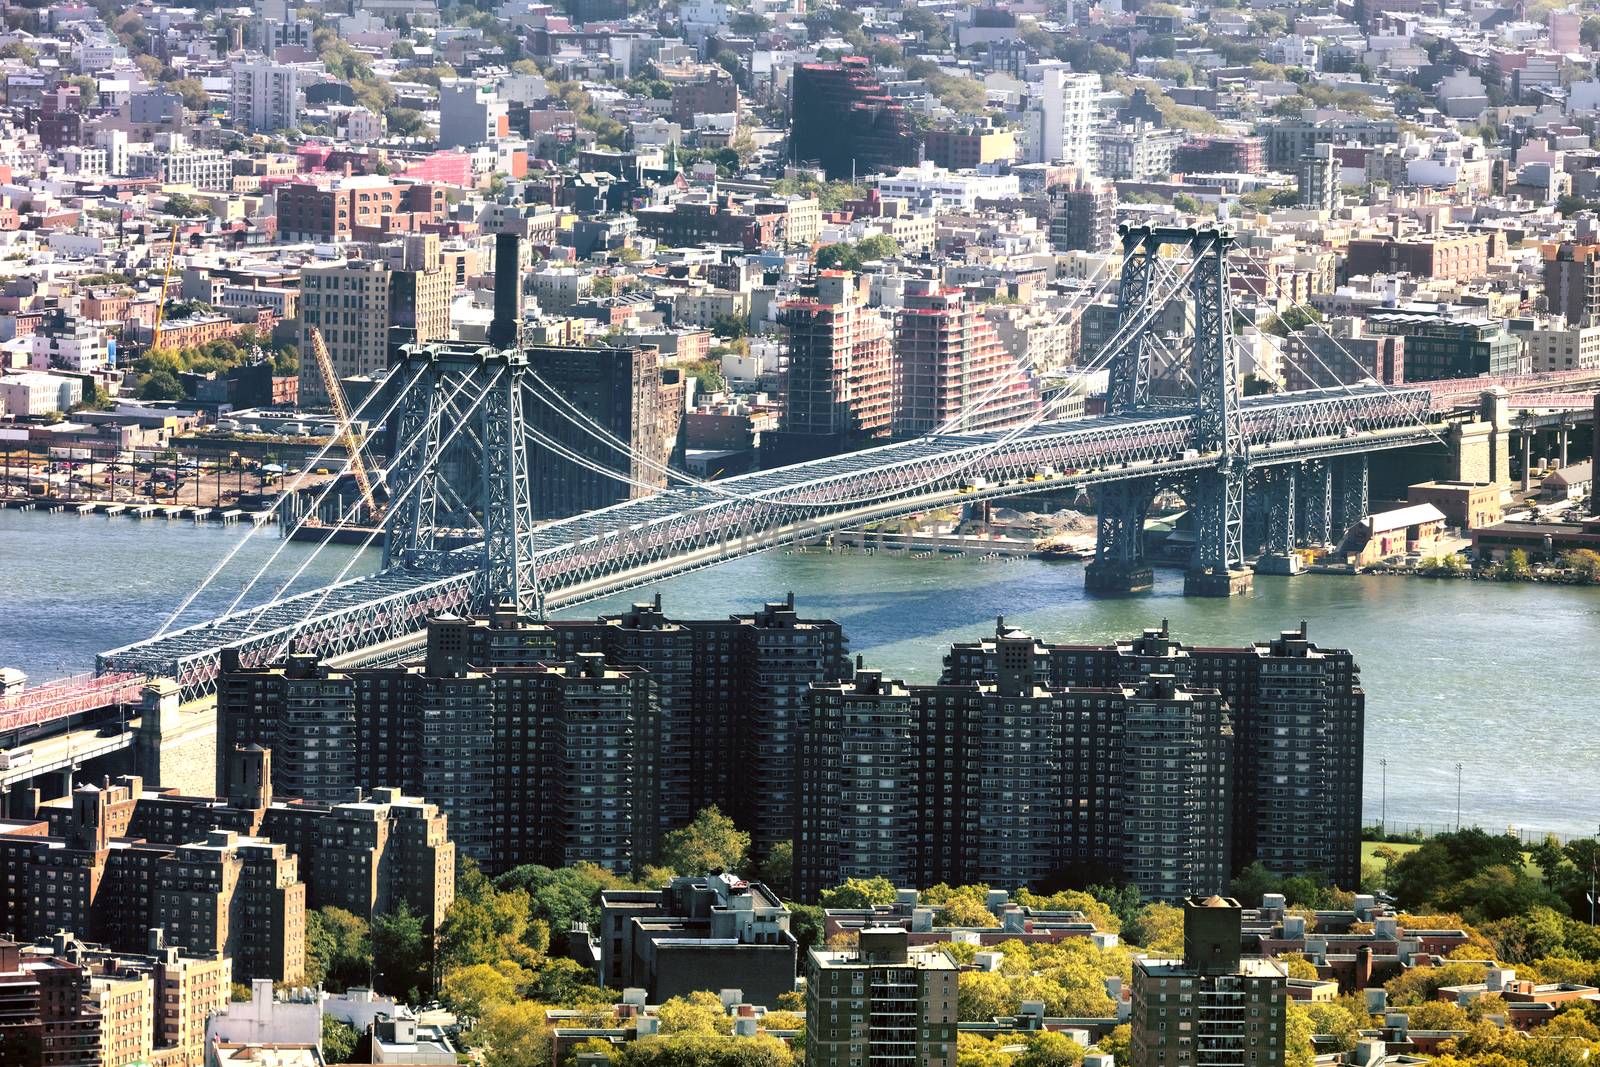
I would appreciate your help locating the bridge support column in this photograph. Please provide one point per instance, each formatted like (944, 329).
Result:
(1218, 567)
(1278, 556)
(1353, 501)
(1315, 513)
(1119, 566)
(1527, 460)
(1561, 446)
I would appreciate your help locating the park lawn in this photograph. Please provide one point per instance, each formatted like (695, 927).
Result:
(1402, 847)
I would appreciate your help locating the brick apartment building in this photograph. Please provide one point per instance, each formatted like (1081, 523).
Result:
(1212, 1006)
(46, 1019)
(881, 1002)
(839, 392)
(950, 367)
(308, 211)
(718, 722)
(226, 875)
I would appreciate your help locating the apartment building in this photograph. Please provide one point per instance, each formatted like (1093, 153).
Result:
(229, 875)
(882, 1002)
(46, 1018)
(951, 369)
(718, 721)
(1211, 1007)
(839, 391)
(1009, 781)
(237, 896)
(1298, 718)
(712, 931)
(265, 95)
(363, 306)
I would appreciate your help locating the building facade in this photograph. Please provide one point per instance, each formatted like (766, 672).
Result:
(881, 1003)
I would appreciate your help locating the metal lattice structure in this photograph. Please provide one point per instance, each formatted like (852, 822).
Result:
(656, 537)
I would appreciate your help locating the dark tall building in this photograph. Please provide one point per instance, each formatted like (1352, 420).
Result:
(1011, 781)
(46, 1017)
(1211, 1008)
(1572, 282)
(697, 713)
(1083, 216)
(619, 388)
(845, 120)
(1298, 716)
(883, 1002)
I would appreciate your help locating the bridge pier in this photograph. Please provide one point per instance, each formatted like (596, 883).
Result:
(1527, 460)
(1561, 446)
(1280, 489)
(1353, 497)
(1315, 511)
(1119, 567)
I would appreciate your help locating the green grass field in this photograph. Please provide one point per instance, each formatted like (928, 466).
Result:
(1400, 847)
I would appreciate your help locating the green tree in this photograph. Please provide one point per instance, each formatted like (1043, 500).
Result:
(710, 842)
(858, 893)
(1159, 928)
(777, 870)
(486, 925)
(338, 949)
(160, 385)
(400, 955)
(338, 1040)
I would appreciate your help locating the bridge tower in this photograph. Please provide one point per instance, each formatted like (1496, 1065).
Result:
(1217, 492)
(474, 393)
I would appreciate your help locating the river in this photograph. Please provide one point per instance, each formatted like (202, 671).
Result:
(1504, 679)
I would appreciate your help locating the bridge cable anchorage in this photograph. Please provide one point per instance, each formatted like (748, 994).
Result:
(333, 531)
(310, 513)
(1314, 319)
(1105, 356)
(287, 492)
(432, 461)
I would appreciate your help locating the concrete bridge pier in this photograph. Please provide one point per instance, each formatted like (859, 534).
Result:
(1119, 566)
(1281, 490)
(1527, 459)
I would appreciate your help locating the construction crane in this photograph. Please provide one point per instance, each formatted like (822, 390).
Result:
(341, 411)
(166, 279)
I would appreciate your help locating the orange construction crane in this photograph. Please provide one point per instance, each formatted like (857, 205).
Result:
(341, 411)
(166, 278)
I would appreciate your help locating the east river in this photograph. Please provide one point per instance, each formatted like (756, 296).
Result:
(1504, 679)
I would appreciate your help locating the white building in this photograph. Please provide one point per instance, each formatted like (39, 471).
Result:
(264, 1019)
(1067, 104)
(32, 393)
(1563, 348)
(80, 347)
(928, 186)
(266, 95)
(115, 145)
(470, 113)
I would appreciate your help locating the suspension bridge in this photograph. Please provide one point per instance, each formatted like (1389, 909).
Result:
(1298, 460)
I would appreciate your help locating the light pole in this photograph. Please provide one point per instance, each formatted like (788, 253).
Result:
(1458, 796)
(1383, 799)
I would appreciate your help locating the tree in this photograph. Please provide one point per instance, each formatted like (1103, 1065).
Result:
(961, 906)
(338, 1040)
(1159, 928)
(730, 326)
(699, 1012)
(194, 94)
(1437, 1015)
(1117, 1044)
(400, 955)
(858, 893)
(18, 50)
(1094, 909)
(711, 842)
(474, 990)
(338, 949)
(1585, 563)
(160, 385)
(777, 870)
(1516, 566)
(486, 925)
(1050, 1049)
(513, 1035)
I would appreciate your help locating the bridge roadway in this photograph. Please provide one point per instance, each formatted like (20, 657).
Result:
(679, 530)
